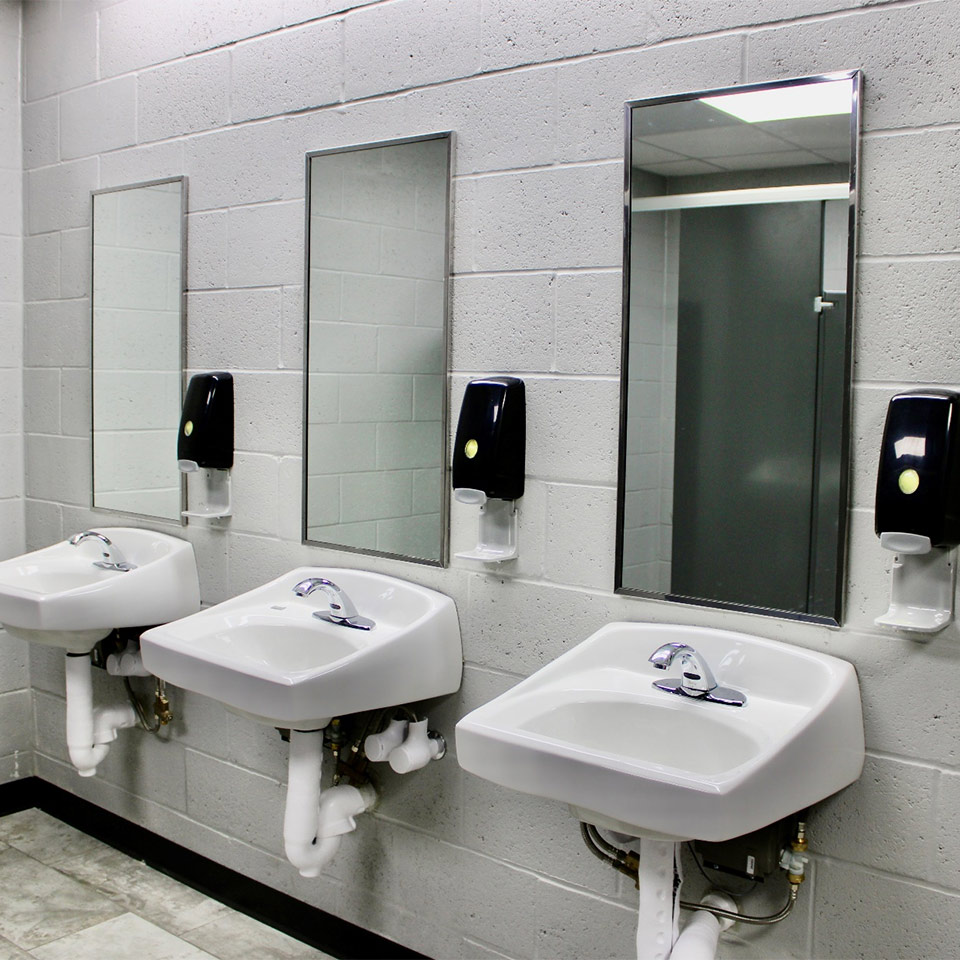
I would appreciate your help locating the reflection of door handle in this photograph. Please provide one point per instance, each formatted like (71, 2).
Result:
(819, 305)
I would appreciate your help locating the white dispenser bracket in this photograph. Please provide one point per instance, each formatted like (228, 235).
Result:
(499, 523)
(212, 492)
(922, 585)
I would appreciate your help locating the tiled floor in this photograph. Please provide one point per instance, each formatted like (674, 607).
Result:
(66, 896)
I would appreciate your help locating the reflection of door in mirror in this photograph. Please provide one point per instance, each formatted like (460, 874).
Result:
(736, 350)
(375, 434)
(138, 347)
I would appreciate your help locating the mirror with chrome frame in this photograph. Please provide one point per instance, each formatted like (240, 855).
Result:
(138, 314)
(375, 431)
(740, 237)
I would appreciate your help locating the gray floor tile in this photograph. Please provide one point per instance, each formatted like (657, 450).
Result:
(10, 951)
(144, 891)
(122, 938)
(45, 838)
(239, 937)
(40, 904)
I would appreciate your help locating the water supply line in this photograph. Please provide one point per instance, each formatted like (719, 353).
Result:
(627, 862)
(313, 825)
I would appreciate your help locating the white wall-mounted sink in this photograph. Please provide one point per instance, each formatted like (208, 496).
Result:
(264, 654)
(590, 729)
(56, 596)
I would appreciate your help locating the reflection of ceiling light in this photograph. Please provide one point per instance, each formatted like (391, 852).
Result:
(786, 103)
(910, 447)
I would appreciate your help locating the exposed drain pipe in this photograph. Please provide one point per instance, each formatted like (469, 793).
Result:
(698, 939)
(313, 825)
(89, 729)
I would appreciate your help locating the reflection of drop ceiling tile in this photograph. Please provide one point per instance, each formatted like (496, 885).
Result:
(680, 115)
(838, 155)
(644, 152)
(680, 168)
(812, 132)
(765, 161)
(718, 142)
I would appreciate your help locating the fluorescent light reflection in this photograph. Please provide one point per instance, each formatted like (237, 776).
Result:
(910, 447)
(786, 103)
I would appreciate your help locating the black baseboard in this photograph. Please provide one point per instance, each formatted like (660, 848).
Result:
(308, 924)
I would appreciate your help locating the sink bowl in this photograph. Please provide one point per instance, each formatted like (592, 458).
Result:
(265, 655)
(590, 729)
(57, 597)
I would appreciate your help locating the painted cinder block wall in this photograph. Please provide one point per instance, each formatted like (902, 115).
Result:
(233, 96)
(16, 711)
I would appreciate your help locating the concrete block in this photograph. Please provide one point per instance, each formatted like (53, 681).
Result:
(903, 328)
(945, 870)
(346, 245)
(513, 32)
(232, 800)
(568, 217)
(15, 672)
(581, 534)
(136, 35)
(74, 260)
(367, 298)
(41, 400)
(572, 429)
(503, 322)
(219, 22)
(417, 42)
(265, 245)
(592, 93)
(861, 913)
(98, 118)
(255, 479)
(207, 250)
(289, 526)
(59, 197)
(41, 266)
(897, 794)
(910, 216)
(155, 161)
(292, 328)
(589, 320)
(44, 523)
(58, 468)
(184, 97)
(343, 348)
(41, 133)
(72, 31)
(287, 71)
(335, 448)
(234, 329)
(905, 54)
(57, 333)
(254, 163)
(375, 496)
(11, 466)
(267, 412)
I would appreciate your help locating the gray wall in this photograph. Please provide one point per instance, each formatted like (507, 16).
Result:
(234, 96)
(16, 733)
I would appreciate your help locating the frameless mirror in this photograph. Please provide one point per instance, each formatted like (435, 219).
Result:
(738, 266)
(137, 357)
(376, 358)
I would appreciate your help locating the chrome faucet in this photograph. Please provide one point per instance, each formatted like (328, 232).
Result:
(112, 558)
(696, 678)
(342, 611)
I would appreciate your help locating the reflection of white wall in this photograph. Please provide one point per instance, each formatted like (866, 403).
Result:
(648, 503)
(377, 247)
(136, 347)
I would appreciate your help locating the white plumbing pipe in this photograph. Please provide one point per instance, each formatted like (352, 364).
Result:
(313, 825)
(89, 730)
(698, 939)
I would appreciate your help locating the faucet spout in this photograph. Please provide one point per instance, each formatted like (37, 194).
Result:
(111, 557)
(342, 610)
(696, 678)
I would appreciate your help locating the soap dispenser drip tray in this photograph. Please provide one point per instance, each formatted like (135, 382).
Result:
(497, 537)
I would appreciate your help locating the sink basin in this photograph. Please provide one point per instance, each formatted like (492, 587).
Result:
(56, 596)
(265, 655)
(590, 729)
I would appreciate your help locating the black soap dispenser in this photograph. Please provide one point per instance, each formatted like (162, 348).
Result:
(917, 513)
(205, 441)
(489, 461)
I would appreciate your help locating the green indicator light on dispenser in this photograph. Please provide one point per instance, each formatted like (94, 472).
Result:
(188, 428)
(470, 449)
(908, 481)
